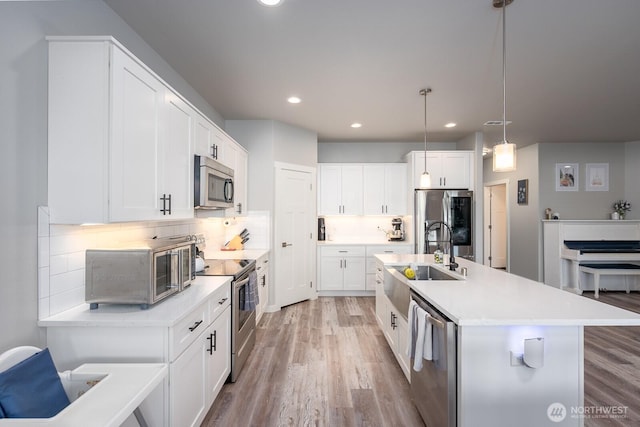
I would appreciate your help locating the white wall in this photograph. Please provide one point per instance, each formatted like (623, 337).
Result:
(23, 135)
(581, 204)
(632, 177)
(524, 225)
(373, 152)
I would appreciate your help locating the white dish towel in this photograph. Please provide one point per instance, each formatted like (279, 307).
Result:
(420, 339)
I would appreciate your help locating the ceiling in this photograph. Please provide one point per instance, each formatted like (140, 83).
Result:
(573, 66)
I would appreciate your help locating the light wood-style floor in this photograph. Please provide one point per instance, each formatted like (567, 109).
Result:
(326, 363)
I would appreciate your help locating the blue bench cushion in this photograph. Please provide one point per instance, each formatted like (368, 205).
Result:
(32, 389)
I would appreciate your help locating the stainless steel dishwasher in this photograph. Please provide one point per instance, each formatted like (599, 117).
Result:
(433, 389)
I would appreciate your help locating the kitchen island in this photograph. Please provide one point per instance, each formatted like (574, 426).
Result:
(495, 312)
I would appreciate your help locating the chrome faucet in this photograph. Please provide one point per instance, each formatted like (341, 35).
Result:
(452, 260)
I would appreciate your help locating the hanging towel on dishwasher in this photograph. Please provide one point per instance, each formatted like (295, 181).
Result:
(420, 339)
(251, 293)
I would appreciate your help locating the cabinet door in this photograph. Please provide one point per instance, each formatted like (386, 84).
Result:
(218, 353)
(237, 158)
(401, 345)
(176, 158)
(187, 379)
(218, 147)
(455, 167)
(331, 273)
(352, 197)
(330, 190)
(381, 305)
(137, 103)
(203, 134)
(395, 189)
(354, 273)
(374, 184)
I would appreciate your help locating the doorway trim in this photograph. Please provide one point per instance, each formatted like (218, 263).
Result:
(312, 241)
(485, 231)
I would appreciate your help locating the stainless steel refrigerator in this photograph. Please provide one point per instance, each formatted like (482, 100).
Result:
(455, 209)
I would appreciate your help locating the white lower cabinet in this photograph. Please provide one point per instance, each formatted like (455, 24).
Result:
(373, 250)
(262, 268)
(197, 349)
(199, 373)
(393, 324)
(341, 268)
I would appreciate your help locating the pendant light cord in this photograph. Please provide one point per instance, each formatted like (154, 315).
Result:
(425, 92)
(504, 71)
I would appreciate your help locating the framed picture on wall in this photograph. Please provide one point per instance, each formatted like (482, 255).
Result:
(567, 177)
(523, 191)
(597, 177)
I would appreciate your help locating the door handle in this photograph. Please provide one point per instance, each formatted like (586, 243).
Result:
(285, 244)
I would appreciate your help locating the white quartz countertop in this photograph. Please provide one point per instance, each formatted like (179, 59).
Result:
(239, 254)
(165, 313)
(363, 241)
(493, 297)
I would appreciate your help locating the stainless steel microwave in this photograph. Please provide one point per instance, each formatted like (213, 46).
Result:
(144, 274)
(213, 184)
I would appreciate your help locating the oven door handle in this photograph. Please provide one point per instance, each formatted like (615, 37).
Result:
(436, 322)
(240, 283)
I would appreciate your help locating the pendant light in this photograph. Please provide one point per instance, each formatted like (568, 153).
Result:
(425, 178)
(504, 154)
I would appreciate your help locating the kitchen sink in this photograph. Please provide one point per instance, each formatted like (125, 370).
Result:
(427, 272)
(396, 284)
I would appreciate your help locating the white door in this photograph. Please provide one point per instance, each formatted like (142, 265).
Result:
(496, 226)
(294, 235)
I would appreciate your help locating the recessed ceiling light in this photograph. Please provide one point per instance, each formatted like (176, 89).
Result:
(270, 2)
(450, 125)
(294, 100)
(356, 125)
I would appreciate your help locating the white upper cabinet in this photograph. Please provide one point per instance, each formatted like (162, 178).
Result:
(237, 159)
(120, 140)
(385, 189)
(448, 169)
(340, 189)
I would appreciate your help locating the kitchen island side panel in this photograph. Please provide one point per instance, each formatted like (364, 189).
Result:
(492, 392)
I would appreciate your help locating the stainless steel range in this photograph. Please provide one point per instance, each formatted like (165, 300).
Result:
(243, 320)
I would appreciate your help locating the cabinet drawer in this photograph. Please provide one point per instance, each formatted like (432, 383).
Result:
(388, 249)
(187, 330)
(219, 300)
(342, 251)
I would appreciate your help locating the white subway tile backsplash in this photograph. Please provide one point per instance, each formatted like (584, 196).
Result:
(61, 252)
(64, 282)
(66, 300)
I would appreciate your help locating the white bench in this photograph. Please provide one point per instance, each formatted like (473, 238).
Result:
(118, 391)
(608, 269)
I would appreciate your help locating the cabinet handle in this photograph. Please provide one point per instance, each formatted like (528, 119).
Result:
(382, 208)
(222, 301)
(165, 199)
(264, 280)
(445, 180)
(195, 325)
(212, 342)
(345, 263)
(214, 151)
(340, 263)
(239, 210)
